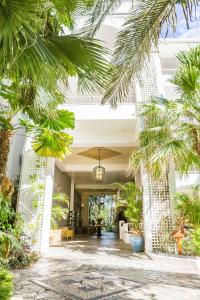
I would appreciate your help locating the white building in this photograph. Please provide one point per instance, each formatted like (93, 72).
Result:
(115, 131)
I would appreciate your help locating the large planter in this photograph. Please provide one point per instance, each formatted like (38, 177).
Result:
(137, 243)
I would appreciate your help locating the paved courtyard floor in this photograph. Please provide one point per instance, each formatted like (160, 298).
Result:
(88, 260)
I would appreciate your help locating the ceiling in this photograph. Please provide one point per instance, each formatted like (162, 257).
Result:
(99, 152)
(115, 159)
(79, 165)
(88, 178)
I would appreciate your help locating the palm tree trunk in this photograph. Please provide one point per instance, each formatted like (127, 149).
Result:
(196, 143)
(6, 186)
(5, 135)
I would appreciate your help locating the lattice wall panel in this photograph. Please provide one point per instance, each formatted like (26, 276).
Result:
(157, 204)
(160, 212)
(34, 196)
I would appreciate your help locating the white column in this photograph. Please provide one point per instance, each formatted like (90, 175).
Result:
(156, 193)
(35, 197)
(72, 195)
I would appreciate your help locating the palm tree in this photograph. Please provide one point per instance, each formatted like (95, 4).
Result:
(140, 33)
(34, 45)
(44, 125)
(171, 131)
(37, 56)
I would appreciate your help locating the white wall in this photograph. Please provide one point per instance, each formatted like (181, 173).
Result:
(185, 183)
(15, 154)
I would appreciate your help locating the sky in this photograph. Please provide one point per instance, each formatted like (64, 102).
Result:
(181, 30)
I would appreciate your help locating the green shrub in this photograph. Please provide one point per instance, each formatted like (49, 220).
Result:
(4, 263)
(21, 259)
(192, 244)
(188, 206)
(6, 285)
(15, 250)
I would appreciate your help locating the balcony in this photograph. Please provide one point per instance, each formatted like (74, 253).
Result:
(72, 97)
(168, 72)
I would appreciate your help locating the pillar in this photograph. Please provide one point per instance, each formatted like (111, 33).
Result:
(35, 197)
(72, 195)
(157, 197)
(85, 208)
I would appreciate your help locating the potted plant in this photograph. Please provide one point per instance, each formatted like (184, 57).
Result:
(132, 197)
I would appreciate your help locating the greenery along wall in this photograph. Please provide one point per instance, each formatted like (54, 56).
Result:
(102, 209)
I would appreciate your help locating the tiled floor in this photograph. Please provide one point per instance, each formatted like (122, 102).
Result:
(159, 277)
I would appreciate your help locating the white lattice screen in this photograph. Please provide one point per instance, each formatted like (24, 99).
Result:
(157, 201)
(35, 197)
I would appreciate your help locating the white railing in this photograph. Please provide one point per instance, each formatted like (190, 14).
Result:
(170, 72)
(93, 100)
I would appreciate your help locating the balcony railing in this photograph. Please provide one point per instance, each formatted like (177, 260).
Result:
(170, 72)
(93, 100)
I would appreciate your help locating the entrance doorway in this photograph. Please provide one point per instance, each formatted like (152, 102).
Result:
(102, 214)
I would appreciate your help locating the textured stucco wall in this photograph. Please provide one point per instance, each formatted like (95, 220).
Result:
(62, 184)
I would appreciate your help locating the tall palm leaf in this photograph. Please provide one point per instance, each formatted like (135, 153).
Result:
(138, 35)
(34, 46)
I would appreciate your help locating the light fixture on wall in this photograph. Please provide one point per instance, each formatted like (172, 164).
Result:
(99, 170)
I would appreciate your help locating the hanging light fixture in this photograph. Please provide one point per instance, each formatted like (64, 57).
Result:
(99, 170)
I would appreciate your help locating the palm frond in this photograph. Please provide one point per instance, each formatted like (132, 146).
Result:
(58, 120)
(5, 124)
(20, 21)
(51, 143)
(190, 58)
(84, 57)
(58, 214)
(138, 36)
(99, 11)
(61, 198)
(187, 82)
(172, 127)
(69, 11)
(29, 52)
(57, 57)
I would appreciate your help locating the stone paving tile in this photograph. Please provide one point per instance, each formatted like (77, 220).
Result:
(162, 278)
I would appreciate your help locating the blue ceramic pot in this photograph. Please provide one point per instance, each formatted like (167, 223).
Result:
(137, 243)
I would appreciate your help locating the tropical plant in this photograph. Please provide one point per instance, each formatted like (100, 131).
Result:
(14, 248)
(191, 244)
(35, 46)
(171, 133)
(131, 198)
(146, 21)
(58, 212)
(6, 284)
(37, 57)
(188, 206)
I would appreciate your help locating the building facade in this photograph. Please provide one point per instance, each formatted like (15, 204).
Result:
(115, 132)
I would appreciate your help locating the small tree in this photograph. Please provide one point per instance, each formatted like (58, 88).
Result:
(132, 200)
